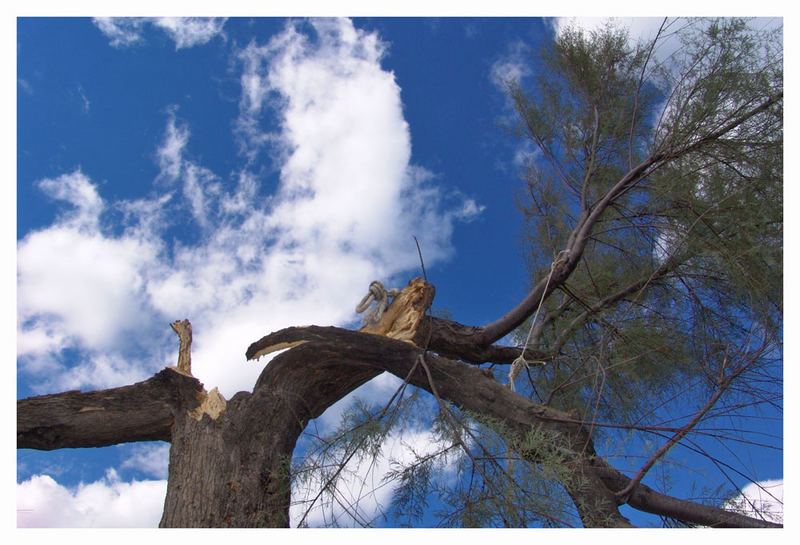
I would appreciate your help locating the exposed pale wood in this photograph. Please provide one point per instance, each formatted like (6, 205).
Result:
(401, 320)
(211, 403)
(184, 330)
(230, 469)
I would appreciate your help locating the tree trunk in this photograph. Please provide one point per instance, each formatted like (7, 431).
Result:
(233, 471)
(229, 461)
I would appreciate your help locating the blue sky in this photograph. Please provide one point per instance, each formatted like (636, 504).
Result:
(247, 174)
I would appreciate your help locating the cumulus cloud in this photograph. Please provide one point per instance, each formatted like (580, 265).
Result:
(345, 211)
(43, 503)
(77, 286)
(184, 31)
(346, 174)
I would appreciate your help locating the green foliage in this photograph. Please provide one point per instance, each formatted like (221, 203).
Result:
(330, 462)
(678, 288)
(493, 486)
(697, 243)
(415, 482)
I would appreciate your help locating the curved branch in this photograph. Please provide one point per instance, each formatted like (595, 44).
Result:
(579, 236)
(461, 342)
(462, 385)
(467, 387)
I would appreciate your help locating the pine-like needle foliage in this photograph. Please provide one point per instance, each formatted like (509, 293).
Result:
(657, 166)
(682, 272)
(678, 291)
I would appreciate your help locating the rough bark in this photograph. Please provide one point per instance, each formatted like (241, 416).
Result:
(462, 342)
(233, 471)
(593, 483)
(140, 412)
(229, 461)
(468, 388)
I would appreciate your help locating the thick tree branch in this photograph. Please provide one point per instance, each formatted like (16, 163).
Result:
(144, 411)
(467, 387)
(579, 236)
(457, 341)
(461, 384)
(324, 366)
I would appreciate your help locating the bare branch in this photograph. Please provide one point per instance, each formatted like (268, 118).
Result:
(676, 438)
(140, 412)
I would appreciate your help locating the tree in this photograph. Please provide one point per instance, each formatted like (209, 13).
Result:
(654, 217)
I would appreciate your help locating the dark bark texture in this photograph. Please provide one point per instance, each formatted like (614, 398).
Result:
(140, 412)
(229, 467)
(233, 471)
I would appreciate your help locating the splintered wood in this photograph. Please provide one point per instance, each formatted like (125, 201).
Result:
(211, 403)
(184, 330)
(402, 318)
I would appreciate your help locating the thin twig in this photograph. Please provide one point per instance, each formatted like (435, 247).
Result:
(421, 262)
(350, 456)
(449, 416)
(723, 384)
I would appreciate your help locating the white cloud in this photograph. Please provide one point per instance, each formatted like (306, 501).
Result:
(190, 31)
(76, 189)
(170, 153)
(511, 67)
(76, 283)
(121, 31)
(348, 204)
(84, 100)
(469, 210)
(184, 31)
(343, 138)
(98, 370)
(200, 185)
(43, 503)
(762, 499)
(110, 502)
(149, 458)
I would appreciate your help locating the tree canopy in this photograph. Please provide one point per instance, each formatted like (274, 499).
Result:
(653, 213)
(652, 199)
